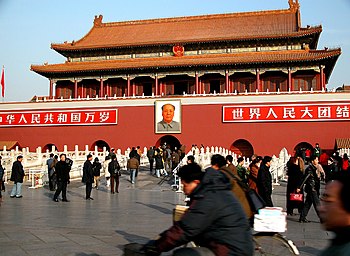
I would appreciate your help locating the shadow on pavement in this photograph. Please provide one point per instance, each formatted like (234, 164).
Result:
(158, 208)
(132, 238)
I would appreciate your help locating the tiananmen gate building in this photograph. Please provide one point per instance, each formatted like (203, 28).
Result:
(253, 82)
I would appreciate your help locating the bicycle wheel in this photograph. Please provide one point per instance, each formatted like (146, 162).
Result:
(273, 244)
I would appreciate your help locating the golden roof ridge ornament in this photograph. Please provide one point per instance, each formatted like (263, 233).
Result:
(294, 5)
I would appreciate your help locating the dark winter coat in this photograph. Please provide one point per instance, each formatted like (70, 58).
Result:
(264, 184)
(17, 173)
(295, 176)
(62, 171)
(113, 167)
(312, 182)
(215, 219)
(88, 175)
(2, 172)
(159, 161)
(96, 167)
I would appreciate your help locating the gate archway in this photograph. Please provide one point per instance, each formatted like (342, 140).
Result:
(300, 148)
(49, 147)
(100, 145)
(242, 147)
(169, 140)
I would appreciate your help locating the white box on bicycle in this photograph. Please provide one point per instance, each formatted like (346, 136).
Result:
(270, 211)
(270, 223)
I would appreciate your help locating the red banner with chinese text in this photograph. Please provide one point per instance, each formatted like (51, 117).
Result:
(59, 117)
(286, 112)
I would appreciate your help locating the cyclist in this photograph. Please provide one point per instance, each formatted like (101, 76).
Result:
(215, 219)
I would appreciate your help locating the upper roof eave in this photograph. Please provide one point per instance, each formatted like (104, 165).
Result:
(185, 61)
(202, 28)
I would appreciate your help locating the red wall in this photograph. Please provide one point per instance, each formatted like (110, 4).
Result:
(201, 124)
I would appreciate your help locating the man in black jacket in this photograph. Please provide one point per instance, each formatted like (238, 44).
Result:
(264, 182)
(88, 176)
(17, 176)
(62, 174)
(114, 170)
(214, 220)
(312, 189)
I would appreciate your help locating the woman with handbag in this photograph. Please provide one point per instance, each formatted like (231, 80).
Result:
(295, 172)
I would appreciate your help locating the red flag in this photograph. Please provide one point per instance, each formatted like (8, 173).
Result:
(3, 82)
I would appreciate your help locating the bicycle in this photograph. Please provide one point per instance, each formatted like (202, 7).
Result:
(265, 243)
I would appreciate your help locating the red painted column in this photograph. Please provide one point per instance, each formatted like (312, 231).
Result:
(196, 88)
(322, 78)
(164, 88)
(160, 88)
(75, 88)
(200, 87)
(156, 82)
(128, 86)
(290, 88)
(156, 93)
(258, 85)
(51, 88)
(101, 87)
(133, 88)
(227, 85)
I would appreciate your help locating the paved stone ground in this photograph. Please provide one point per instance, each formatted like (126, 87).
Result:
(35, 225)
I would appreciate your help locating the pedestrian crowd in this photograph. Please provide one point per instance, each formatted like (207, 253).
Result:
(220, 213)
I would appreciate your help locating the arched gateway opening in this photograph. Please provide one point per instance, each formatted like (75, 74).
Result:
(169, 140)
(242, 147)
(50, 147)
(100, 145)
(300, 149)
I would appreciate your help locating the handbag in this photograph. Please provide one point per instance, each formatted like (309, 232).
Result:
(296, 197)
(255, 200)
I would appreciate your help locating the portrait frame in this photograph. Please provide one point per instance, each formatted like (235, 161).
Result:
(159, 125)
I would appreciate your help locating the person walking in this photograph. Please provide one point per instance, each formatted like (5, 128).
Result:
(265, 181)
(241, 170)
(88, 177)
(2, 172)
(133, 164)
(159, 162)
(105, 170)
(175, 159)
(96, 169)
(62, 175)
(312, 189)
(50, 171)
(2, 181)
(150, 156)
(253, 173)
(114, 170)
(345, 162)
(295, 172)
(17, 176)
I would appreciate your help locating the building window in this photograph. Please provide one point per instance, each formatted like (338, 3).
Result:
(274, 84)
(244, 84)
(64, 92)
(304, 83)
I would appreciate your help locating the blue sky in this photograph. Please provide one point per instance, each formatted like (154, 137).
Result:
(27, 29)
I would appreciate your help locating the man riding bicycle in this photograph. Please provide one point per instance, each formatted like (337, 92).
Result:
(215, 220)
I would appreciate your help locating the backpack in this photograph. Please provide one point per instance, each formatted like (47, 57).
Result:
(251, 202)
